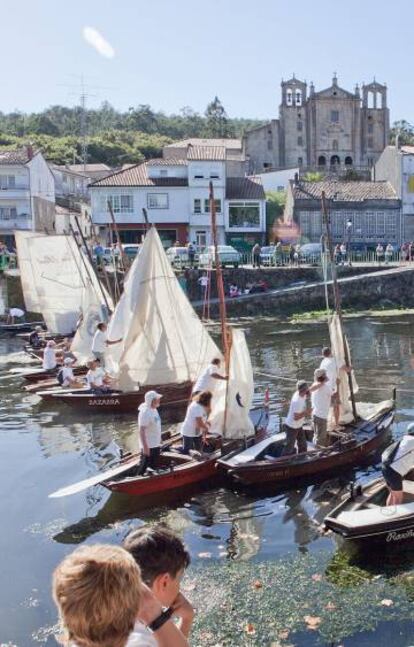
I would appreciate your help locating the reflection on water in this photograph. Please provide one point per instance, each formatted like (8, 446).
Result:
(43, 448)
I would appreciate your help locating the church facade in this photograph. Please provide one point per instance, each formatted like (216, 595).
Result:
(327, 130)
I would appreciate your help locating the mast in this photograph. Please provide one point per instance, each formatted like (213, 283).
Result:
(337, 299)
(118, 238)
(90, 260)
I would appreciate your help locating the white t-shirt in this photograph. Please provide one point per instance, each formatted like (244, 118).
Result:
(321, 401)
(404, 459)
(49, 358)
(96, 377)
(203, 281)
(150, 419)
(331, 368)
(67, 375)
(297, 405)
(16, 312)
(99, 341)
(205, 382)
(140, 637)
(189, 426)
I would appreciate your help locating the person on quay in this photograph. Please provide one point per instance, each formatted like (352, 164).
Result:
(293, 427)
(389, 250)
(321, 394)
(205, 382)
(149, 427)
(195, 426)
(380, 253)
(329, 364)
(97, 379)
(66, 377)
(49, 356)
(396, 461)
(191, 253)
(256, 255)
(100, 342)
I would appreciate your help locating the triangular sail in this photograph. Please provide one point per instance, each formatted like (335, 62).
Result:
(31, 299)
(164, 341)
(93, 311)
(230, 416)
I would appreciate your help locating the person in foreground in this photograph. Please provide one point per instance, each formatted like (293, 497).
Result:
(293, 427)
(396, 461)
(162, 558)
(149, 427)
(103, 602)
(100, 342)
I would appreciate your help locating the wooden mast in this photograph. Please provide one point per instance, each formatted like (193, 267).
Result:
(337, 299)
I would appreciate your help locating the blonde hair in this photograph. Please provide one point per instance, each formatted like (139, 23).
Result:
(97, 590)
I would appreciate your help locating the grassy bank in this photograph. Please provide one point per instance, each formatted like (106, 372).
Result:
(350, 313)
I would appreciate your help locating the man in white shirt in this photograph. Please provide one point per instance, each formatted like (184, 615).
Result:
(13, 313)
(100, 342)
(195, 426)
(96, 378)
(49, 356)
(321, 394)
(330, 365)
(149, 426)
(293, 426)
(397, 461)
(205, 381)
(66, 377)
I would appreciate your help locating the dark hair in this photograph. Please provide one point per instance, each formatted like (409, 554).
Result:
(204, 398)
(326, 351)
(216, 361)
(157, 550)
(99, 326)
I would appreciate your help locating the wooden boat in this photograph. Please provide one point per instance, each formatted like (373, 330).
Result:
(15, 328)
(364, 520)
(263, 463)
(41, 376)
(175, 399)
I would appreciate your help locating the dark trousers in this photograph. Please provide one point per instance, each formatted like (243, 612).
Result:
(294, 437)
(256, 260)
(149, 461)
(191, 442)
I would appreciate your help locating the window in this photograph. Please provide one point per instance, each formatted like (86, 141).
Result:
(300, 141)
(198, 176)
(370, 225)
(335, 116)
(335, 161)
(7, 182)
(348, 161)
(289, 98)
(244, 215)
(157, 200)
(121, 203)
(390, 226)
(298, 97)
(370, 128)
(201, 239)
(300, 126)
(370, 142)
(207, 205)
(269, 144)
(197, 205)
(335, 145)
(163, 172)
(321, 160)
(300, 161)
(380, 224)
(8, 213)
(214, 175)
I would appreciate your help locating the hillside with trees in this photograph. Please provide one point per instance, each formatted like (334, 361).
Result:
(114, 137)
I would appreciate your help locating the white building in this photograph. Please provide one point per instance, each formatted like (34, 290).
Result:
(175, 193)
(277, 180)
(70, 184)
(27, 193)
(397, 166)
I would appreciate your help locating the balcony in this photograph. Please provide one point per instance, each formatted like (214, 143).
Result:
(22, 221)
(15, 193)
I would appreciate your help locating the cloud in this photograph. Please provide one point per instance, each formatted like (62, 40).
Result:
(98, 42)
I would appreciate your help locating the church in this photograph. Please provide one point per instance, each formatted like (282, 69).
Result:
(331, 129)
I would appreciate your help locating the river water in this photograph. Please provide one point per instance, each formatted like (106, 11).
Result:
(45, 447)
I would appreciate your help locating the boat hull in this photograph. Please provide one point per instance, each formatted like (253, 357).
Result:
(284, 472)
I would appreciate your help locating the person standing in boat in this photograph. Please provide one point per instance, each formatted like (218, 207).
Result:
(205, 382)
(330, 365)
(396, 461)
(321, 394)
(195, 426)
(49, 356)
(293, 427)
(149, 427)
(100, 343)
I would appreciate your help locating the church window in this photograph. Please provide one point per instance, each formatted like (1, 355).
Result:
(370, 128)
(348, 161)
(300, 161)
(334, 116)
(321, 160)
(298, 97)
(269, 132)
(335, 145)
(300, 126)
(300, 141)
(289, 98)
(335, 161)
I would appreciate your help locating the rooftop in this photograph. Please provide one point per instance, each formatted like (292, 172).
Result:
(197, 141)
(343, 191)
(17, 156)
(204, 153)
(88, 168)
(408, 150)
(245, 188)
(137, 175)
(167, 161)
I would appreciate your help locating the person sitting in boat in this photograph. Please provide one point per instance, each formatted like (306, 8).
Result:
(103, 601)
(321, 394)
(66, 377)
(35, 339)
(396, 461)
(14, 313)
(195, 426)
(97, 379)
(49, 356)
(163, 559)
(330, 365)
(205, 382)
(100, 342)
(149, 427)
(65, 352)
(293, 427)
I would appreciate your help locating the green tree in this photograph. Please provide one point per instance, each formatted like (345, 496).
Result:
(217, 120)
(275, 205)
(405, 132)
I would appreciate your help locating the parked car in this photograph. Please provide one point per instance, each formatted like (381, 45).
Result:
(267, 255)
(178, 256)
(226, 253)
(311, 253)
(130, 250)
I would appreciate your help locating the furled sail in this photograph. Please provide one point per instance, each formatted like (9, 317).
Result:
(230, 414)
(337, 348)
(31, 299)
(164, 340)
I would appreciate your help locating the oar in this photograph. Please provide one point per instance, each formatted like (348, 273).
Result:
(94, 480)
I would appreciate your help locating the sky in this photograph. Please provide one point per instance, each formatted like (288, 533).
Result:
(172, 54)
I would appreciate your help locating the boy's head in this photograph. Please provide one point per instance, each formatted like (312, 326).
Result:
(162, 558)
(97, 590)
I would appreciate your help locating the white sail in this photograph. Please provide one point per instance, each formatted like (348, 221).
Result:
(31, 299)
(164, 340)
(93, 311)
(235, 423)
(337, 348)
